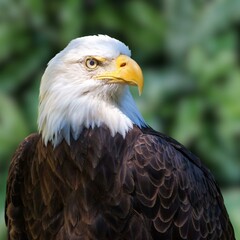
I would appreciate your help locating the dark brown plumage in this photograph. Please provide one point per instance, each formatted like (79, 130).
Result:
(146, 186)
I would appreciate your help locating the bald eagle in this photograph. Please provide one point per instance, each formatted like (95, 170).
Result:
(96, 170)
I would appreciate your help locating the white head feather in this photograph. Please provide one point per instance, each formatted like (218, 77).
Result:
(71, 99)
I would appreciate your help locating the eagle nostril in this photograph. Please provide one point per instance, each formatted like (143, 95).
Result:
(123, 64)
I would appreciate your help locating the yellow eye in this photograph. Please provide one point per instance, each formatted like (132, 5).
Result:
(91, 63)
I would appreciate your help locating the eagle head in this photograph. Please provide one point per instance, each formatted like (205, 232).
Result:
(86, 86)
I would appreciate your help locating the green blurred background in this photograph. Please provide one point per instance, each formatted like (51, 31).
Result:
(189, 53)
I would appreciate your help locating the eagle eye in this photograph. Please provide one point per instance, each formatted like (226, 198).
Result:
(91, 63)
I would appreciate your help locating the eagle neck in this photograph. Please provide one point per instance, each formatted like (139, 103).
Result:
(119, 114)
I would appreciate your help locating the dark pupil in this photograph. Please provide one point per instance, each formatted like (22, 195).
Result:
(92, 62)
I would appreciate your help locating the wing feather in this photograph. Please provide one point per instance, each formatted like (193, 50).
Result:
(176, 191)
(14, 214)
(145, 186)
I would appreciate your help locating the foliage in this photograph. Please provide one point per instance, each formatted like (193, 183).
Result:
(188, 52)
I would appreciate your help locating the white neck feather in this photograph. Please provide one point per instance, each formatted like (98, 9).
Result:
(65, 117)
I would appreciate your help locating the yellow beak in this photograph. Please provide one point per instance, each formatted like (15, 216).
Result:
(127, 72)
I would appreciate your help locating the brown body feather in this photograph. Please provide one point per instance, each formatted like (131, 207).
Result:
(146, 186)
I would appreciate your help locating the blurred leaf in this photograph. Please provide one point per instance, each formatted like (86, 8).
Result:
(188, 122)
(3, 229)
(31, 102)
(18, 71)
(71, 19)
(144, 16)
(232, 200)
(12, 123)
(192, 22)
